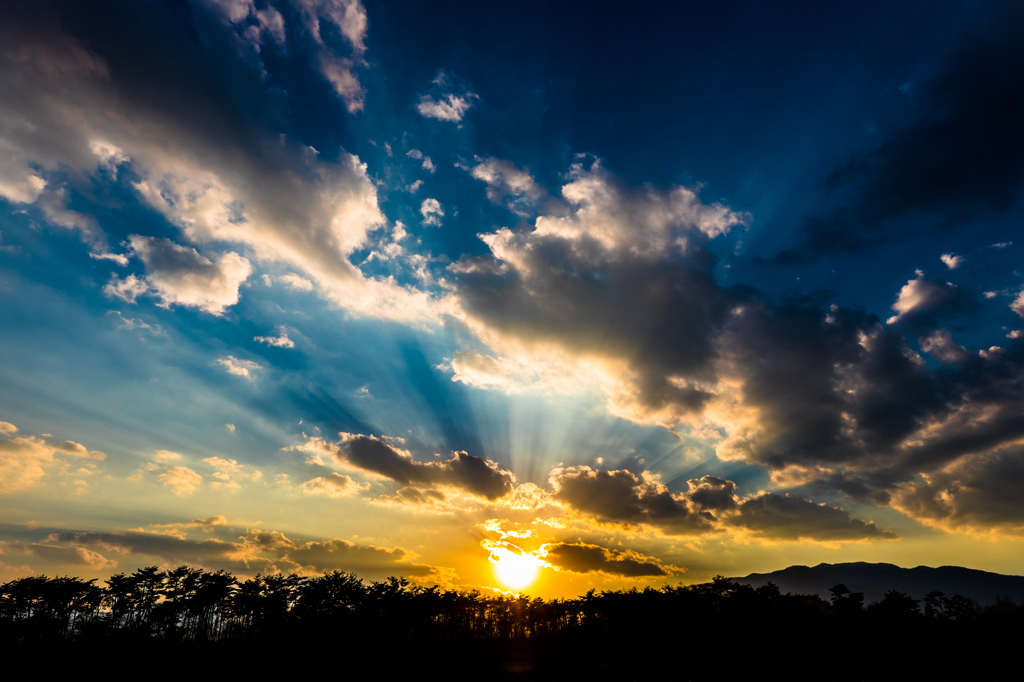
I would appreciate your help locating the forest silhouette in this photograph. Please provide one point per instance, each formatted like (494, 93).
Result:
(163, 624)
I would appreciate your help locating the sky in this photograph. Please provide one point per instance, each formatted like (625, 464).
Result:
(544, 298)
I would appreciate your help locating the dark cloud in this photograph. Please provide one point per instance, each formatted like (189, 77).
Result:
(711, 493)
(60, 554)
(622, 497)
(464, 471)
(586, 558)
(979, 493)
(791, 517)
(816, 393)
(616, 272)
(257, 550)
(924, 302)
(962, 156)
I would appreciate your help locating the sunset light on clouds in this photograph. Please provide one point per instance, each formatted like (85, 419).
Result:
(464, 295)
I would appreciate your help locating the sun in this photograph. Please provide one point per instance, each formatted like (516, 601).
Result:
(515, 571)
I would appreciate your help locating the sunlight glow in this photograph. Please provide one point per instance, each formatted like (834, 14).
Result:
(514, 571)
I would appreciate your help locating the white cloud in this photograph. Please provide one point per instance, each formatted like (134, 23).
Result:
(952, 260)
(1018, 303)
(432, 212)
(241, 368)
(447, 108)
(414, 187)
(333, 485)
(24, 460)
(181, 480)
(296, 282)
(349, 18)
(428, 165)
(167, 456)
(268, 192)
(508, 185)
(132, 323)
(127, 289)
(181, 275)
(230, 428)
(279, 341)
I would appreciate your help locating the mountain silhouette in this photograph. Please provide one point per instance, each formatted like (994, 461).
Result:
(874, 580)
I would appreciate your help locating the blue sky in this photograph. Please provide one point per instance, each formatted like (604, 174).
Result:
(724, 288)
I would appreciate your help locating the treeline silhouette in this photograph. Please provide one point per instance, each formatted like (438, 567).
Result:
(721, 629)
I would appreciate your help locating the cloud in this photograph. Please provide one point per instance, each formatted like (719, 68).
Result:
(296, 283)
(791, 517)
(265, 551)
(181, 275)
(952, 260)
(279, 341)
(333, 485)
(622, 497)
(167, 456)
(372, 455)
(349, 18)
(923, 302)
(612, 283)
(181, 480)
(70, 556)
(201, 151)
(610, 291)
(207, 525)
(1017, 305)
(133, 323)
(432, 212)
(976, 493)
(508, 185)
(961, 156)
(586, 558)
(446, 108)
(24, 460)
(240, 368)
(127, 289)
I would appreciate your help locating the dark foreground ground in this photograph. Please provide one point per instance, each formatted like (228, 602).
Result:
(193, 625)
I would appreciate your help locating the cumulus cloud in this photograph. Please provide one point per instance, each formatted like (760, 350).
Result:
(181, 275)
(445, 108)
(976, 493)
(611, 283)
(25, 460)
(349, 18)
(622, 497)
(240, 368)
(181, 480)
(250, 186)
(432, 212)
(586, 558)
(508, 185)
(1018, 303)
(952, 260)
(373, 456)
(791, 517)
(279, 341)
(923, 302)
(333, 485)
(127, 289)
(296, 283)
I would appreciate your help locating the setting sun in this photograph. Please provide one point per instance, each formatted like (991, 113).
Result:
(515, 571)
